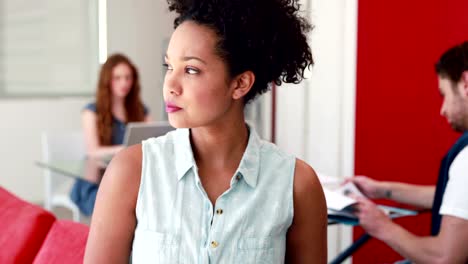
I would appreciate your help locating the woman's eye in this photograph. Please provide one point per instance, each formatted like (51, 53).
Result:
(167, 66)
(191, 70)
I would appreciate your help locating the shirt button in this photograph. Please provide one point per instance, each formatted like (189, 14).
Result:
(219, 211)
(214, 244)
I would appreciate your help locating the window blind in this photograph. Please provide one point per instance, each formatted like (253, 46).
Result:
(48, 47)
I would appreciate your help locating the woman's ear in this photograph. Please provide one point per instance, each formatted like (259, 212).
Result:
(242, 84)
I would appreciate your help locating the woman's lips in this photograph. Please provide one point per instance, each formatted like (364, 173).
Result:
(171, 108)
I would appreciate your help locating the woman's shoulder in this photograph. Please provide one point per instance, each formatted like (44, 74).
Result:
(124, 170)
(309, 199)
(305, 179)
(310, 215)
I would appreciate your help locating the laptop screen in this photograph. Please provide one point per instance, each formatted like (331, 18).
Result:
(137, 132)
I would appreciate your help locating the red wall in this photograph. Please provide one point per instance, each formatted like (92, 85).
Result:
(400, 135)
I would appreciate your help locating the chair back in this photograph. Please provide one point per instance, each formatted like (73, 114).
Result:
(61, 146)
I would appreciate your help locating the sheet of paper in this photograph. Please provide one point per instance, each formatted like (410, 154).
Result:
(328, 180)
(349, 188)
(336, 200)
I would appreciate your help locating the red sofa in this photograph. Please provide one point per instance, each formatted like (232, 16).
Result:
(30, 234)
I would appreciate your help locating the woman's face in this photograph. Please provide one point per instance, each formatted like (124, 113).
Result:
(197, 88)
(122, 80)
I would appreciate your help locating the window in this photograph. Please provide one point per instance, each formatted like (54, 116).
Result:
(48, 48)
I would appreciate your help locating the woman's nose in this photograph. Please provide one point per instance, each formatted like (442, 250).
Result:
(172, 85)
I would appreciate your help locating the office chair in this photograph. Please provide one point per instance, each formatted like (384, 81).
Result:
(61, 146)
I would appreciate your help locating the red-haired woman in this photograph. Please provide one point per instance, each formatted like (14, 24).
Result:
(117, 103)
(104, 121)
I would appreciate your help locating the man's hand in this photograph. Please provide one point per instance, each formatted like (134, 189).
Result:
(372, 218)
(369, 187)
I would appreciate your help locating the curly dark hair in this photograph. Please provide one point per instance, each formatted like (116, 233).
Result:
(453, 62)
(267, 37)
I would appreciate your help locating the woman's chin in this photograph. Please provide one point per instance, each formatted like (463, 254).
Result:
(177, 123)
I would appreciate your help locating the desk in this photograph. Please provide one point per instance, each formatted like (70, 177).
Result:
(399, 212)
(86, 169)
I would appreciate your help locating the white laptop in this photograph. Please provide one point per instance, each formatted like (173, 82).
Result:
(137, 132)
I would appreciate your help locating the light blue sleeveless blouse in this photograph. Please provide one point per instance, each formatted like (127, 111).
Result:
(177, 223)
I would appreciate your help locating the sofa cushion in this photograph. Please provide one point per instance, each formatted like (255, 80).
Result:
(24, 228)
(65, 243)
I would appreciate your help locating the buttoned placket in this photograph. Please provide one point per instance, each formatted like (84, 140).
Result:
(214, 219)
(219, 217)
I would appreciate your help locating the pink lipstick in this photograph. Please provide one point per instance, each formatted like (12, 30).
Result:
(171, 108)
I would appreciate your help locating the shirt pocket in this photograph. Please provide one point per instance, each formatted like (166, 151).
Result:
(255, 250)
(156, 248)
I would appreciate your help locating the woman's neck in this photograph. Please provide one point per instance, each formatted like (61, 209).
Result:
(221, 146)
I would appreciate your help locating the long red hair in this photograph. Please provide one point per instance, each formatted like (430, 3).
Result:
(133, 106)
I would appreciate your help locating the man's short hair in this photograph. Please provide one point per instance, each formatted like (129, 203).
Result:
(453, 62)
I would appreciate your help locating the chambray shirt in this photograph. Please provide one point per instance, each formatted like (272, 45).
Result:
(177, 223)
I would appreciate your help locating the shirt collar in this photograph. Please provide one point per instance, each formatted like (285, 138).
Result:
(183, 152)
(249, 165)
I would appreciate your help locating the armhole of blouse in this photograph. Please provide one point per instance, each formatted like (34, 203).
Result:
(291, 199)
(138, 210)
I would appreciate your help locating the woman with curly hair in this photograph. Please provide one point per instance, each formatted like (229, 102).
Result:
(212, 191)
(117, 103)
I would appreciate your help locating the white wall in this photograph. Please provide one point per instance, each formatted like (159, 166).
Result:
(315, 119)
(141, 29)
